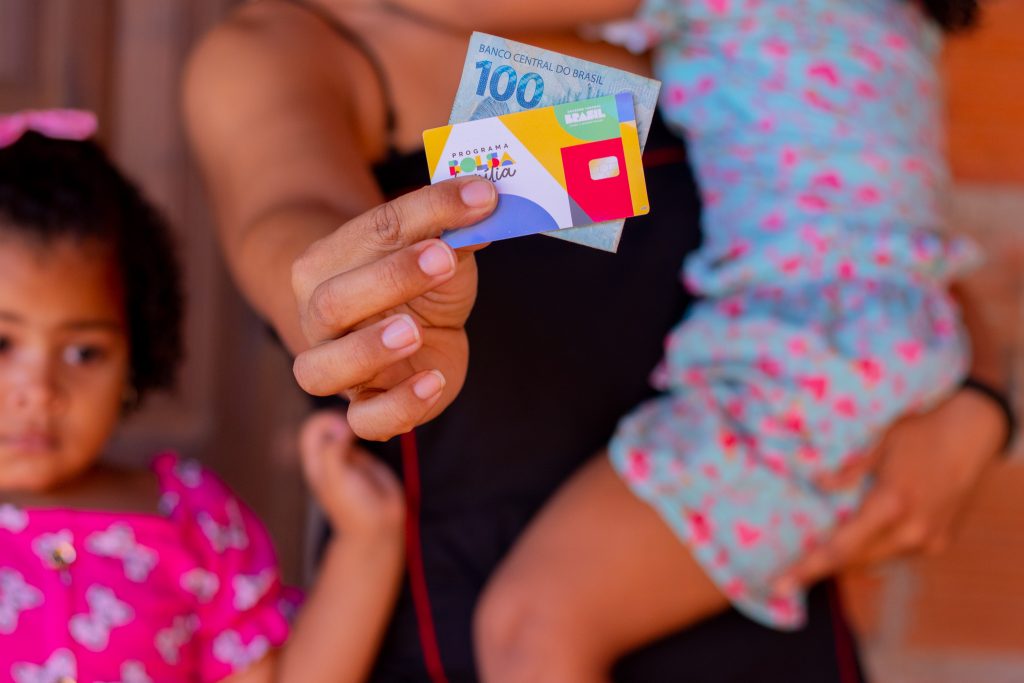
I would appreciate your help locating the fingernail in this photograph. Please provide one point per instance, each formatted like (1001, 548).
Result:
(399, 334)
(436, 260)
(336, 430)
(477, 193)
(429, 385)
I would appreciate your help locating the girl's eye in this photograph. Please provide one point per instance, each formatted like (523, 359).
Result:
(5, 344)
(83, 355)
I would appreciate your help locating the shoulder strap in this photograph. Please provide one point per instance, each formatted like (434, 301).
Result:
(355, 40)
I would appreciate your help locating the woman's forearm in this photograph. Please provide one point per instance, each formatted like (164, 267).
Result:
(261, 259)
(524, 15)
(986, 364)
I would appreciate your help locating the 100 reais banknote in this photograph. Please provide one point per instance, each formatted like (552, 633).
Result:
(502, 76)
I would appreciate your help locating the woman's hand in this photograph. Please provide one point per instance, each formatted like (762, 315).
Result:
(383, 305)
(925, 469)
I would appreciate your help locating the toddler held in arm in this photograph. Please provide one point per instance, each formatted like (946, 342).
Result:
(814, 130)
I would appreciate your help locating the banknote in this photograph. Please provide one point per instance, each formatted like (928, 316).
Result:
(502, 76)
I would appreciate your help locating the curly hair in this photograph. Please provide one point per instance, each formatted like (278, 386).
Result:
(60, 189)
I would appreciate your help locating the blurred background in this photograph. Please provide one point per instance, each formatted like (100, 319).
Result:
(957, 618)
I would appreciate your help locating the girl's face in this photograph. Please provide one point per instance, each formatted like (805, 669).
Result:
(63, 359)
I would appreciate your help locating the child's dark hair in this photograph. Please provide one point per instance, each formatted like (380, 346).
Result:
(60, 189)
(952, 15)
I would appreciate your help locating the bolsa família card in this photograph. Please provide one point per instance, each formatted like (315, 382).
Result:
(568, 165)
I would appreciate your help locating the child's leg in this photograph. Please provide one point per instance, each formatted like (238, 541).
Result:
(597, 574)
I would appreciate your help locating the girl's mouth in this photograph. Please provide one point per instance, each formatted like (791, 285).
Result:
(29, 441)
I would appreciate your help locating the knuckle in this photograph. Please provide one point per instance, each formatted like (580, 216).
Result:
(327, 306)
(366, 427)
(391, 276)
(305, 374)
(403, 424)
(386, 223)
(892, 502)
(359, 357)
(301, 268)
(399, 415)
(914, 534)
(440, 203)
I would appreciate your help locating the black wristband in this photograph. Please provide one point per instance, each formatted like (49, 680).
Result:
(1002, 402)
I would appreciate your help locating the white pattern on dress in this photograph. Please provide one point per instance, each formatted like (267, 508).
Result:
(201, 583)
(168, 503)
(223, 537)
(189, 473)
(229, 649)
(12, 518)
(92, 629)
(119, 542)
(170, 640)
(60, 666)
(49, 547)
(16, 596)
(250, 588)
(134, 672)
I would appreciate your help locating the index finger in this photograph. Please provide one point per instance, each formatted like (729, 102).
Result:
(405, 220)
(879, 511)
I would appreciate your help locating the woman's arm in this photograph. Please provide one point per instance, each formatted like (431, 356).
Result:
(277, 139)
(510, 17)
(371, 301)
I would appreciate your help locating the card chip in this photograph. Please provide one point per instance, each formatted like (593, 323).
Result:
(604, 168)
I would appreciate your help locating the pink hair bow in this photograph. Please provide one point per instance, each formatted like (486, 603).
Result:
(61, 124)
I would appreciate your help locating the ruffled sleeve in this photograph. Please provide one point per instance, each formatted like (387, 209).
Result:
(242, 608)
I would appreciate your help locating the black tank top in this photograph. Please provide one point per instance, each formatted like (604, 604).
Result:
(562, 341)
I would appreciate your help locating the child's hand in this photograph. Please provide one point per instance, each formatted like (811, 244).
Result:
(360, 495)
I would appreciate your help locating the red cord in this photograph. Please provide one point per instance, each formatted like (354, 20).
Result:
(663, 156)
(414, 560)
(846, 660)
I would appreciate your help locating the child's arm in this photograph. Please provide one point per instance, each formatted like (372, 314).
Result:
(524, 15)
(337, 633)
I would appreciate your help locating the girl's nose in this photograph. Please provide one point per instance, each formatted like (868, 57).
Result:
(35, 388)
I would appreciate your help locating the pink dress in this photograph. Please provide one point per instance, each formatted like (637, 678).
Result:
(190, 594)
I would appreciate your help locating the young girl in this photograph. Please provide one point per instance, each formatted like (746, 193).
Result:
(814, 130)
(162, 574)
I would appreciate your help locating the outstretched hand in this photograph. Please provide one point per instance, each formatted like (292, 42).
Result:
(383, 304)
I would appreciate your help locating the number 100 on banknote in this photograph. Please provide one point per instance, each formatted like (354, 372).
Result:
(564, 166)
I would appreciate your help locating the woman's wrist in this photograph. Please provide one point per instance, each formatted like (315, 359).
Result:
(999, 403)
